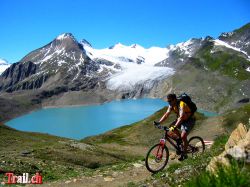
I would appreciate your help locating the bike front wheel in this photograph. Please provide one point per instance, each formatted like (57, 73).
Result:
(157, 158)
(196, 146)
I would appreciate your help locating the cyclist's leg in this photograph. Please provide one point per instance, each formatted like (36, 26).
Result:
(184, 140)
(186, 127)
(185, 143)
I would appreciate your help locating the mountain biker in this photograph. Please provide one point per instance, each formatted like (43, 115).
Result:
(185, 121)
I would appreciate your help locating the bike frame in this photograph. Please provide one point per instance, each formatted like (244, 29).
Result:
(170, 140)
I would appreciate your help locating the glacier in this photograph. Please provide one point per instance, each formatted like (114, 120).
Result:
(137, 65)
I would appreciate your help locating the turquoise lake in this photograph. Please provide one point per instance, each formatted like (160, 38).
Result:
(82, 121)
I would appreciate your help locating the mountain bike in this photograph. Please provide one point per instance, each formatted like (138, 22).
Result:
(158, 155)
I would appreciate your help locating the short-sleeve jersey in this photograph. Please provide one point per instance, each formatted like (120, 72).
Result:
(184, 107)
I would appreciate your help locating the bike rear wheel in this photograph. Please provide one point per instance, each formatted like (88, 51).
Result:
(157, 158)
(196, 146)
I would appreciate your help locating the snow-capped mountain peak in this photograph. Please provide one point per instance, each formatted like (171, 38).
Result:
(134, 53)
(118, 46)
(65, 36)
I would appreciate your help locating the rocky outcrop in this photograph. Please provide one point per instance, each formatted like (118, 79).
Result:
(236, 136)
(237, 147)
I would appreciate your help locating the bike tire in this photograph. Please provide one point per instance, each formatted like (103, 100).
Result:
(149, 164)
(200, 148)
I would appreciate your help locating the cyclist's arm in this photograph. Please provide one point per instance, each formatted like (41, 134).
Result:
(165, 116)
(180, 118)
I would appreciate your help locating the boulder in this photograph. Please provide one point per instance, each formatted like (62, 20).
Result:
(238, 134)
(237, 147)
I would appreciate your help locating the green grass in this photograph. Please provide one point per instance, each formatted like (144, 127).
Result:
(240, 115)
(234, 175)
(228, 62)
(243, 29)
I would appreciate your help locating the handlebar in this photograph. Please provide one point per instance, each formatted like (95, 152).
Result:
(157, 125)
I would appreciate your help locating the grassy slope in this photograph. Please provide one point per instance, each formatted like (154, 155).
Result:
(59, 158)
(227, 61)
(55, 157)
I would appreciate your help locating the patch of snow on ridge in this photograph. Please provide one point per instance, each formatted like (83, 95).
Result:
(3, 65)
(2, 61)
(227, 34)
(219, 42)
(61, 62)
(136, 74)
(3, 68)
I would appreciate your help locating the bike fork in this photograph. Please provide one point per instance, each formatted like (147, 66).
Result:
(160, 148)
(162, 142)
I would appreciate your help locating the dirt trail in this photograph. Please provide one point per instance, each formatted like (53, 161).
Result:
(135, 173)
(111, 178)
(210, 128)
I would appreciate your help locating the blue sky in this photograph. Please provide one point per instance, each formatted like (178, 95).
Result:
(29, 24)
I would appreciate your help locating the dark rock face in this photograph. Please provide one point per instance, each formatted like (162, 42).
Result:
(19, 71)
(16, 73)
(245, 100)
